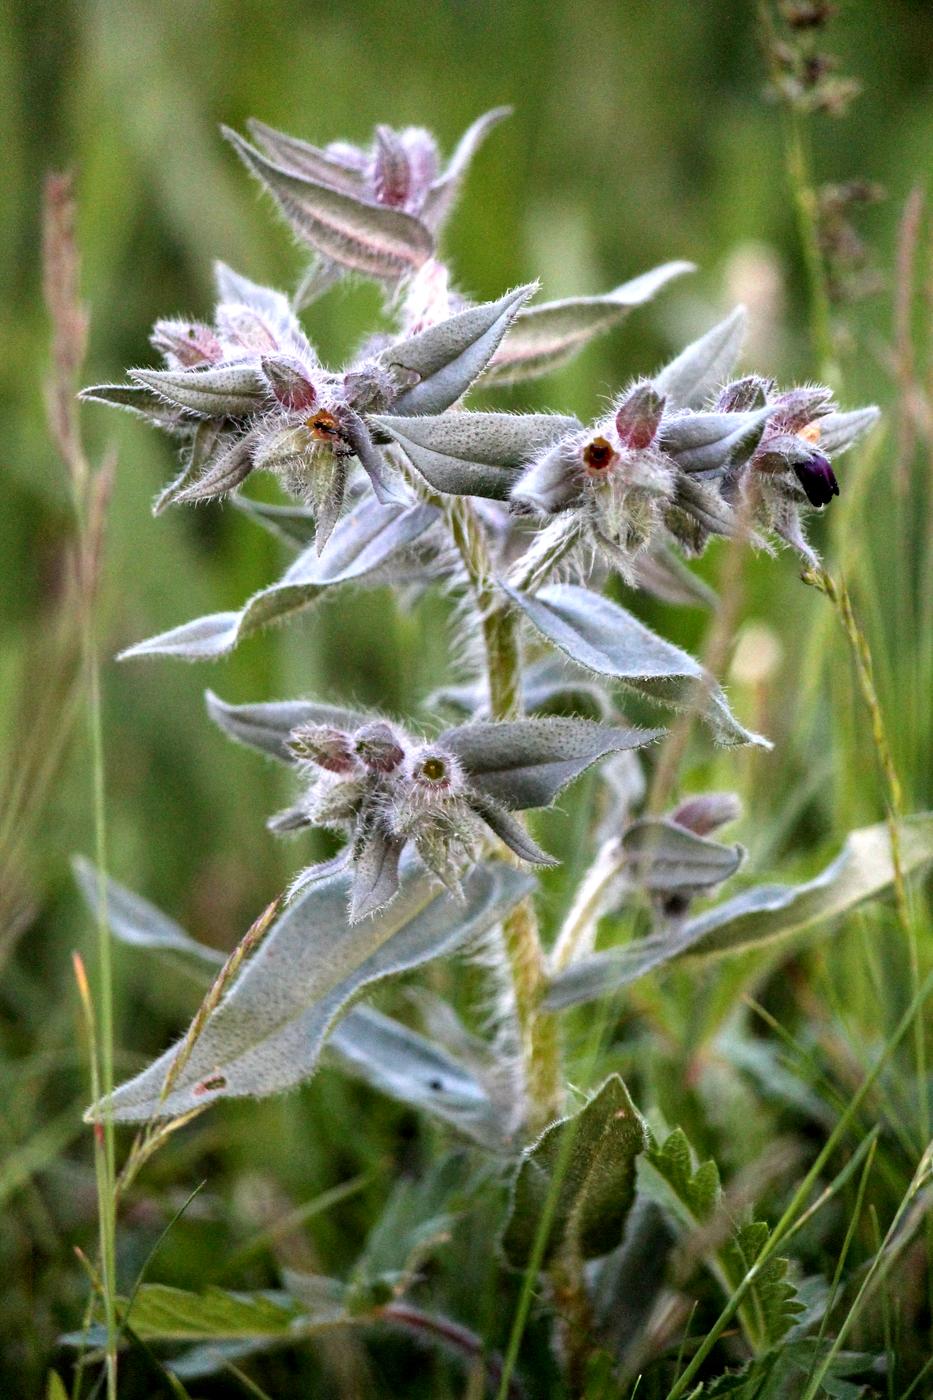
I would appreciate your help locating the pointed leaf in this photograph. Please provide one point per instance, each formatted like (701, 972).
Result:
(660, 571)
(697, 371)
(294, 525)
(703, 442)
(133, 920)
(273, 306)
(443, 192)
(357, 233)
(600, 635)
(448, 357)
(266, 726)
(510, 830)
(545, 337)
(268, 1030)
(230, 466)
(527, 762)
(359, 550)
(592, 1154)
(161, 1313)
(664, 857)
(474, 454)
(305, 159)
(135, 398)
(375, 879)
(231, 390)
(839, 430)
(760, 916)
(209, 438)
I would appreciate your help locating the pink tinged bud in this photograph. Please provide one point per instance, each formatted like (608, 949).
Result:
(795, 408)
(744, 395)
(331, 749)
(639, 417)
(187, 343)
(391, 174)
(708, 812)
(289, 383)
(378, 747)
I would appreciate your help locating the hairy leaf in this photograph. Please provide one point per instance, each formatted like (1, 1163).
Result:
(588, 1162)
(444, 190)
(474, 454)
(268, 1030)
(305, 159)
(135, 921)
(703, 365)
(667, 858)
(528, 762)
(293, 524)
(359, 550)
(606, 638)
(357, 233)
(218, 391)
(839, 430)
(135, 398)
(759, 916)
(267, 725)
(660, 571)
(703, 442)
(545, 337)
(448, 357)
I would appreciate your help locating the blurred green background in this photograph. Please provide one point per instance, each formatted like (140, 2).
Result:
(640, 134)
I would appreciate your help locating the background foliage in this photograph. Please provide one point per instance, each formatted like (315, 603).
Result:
(639, 135)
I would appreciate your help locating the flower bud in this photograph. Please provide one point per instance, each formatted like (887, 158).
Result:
(707, 812)
(818, 479)
(324, 745)
(639, 417)
(745, 395)
(186, 343)
(288, 383)
(378, 746)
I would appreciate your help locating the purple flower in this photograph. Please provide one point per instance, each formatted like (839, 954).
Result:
(817, 478)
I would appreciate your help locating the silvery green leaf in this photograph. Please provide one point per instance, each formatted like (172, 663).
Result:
(545, 337)
(209, 437)
(360, 549)
(375, 1048)
(667, 858)
(267, 725)
(593, 1156)
(703, 442)
(233, 287)
(305, 159)
(474, 454)
(133, 920)
(527, 762)
(229, 467)
(375, 873)
(510, 830)
(267, 1032)
(660, 571)
(230, 390)
(448, 357)
(839, 430)
(702, 367)
(135, 398)
(294, 525)
(605, 638)
(414, 1070)
(357, 233)
(759, 916)
(444, 190)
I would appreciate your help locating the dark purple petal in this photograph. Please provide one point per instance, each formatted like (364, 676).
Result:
(818, 479)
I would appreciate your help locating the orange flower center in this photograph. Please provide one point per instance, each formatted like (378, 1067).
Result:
(598, 455)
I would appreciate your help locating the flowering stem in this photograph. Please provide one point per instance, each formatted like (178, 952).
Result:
(537, 1029)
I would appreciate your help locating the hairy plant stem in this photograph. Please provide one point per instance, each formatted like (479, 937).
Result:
(537, 1028)
(838, 595)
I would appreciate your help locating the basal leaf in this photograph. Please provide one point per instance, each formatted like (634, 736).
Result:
(448, 357)
(527, 762)
(359, 550)
(268, 1030)
(588, 1162)
(606, 638)
(759, 916)
(699, 369)
(357, 233)
(474, 454)
(545, 337)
